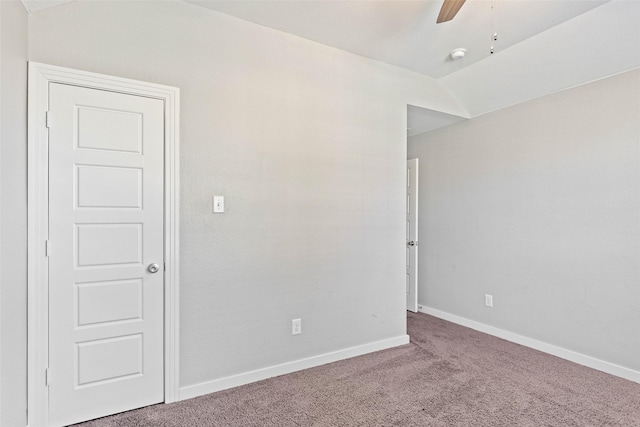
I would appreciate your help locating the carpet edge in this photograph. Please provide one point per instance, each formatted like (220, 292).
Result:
(561, 352)
(195, 390)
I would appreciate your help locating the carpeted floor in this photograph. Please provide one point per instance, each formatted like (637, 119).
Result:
(448, 375)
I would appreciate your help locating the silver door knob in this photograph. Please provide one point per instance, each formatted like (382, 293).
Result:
(411, 243)
(153, 268)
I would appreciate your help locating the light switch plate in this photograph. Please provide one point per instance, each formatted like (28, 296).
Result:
(218, 204)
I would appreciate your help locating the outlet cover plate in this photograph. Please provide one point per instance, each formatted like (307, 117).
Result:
(488, 300)
(296, 326)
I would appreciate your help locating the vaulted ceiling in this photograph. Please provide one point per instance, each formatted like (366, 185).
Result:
(404, 33)
(542, 46)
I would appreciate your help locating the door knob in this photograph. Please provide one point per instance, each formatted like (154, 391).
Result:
(153, 268)
(411, 243)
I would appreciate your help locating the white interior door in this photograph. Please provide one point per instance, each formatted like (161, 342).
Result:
(412, 235)
(105, 231)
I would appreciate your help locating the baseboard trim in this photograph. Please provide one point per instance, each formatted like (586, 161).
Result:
(207, 387)
(572, 356)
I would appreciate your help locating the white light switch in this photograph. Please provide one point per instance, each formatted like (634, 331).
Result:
(218, 204)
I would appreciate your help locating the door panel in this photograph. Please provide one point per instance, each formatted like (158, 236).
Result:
(108, 244)
(111, 301)
(109, 359)
(105, 227)
(112, 130)
(94, 183)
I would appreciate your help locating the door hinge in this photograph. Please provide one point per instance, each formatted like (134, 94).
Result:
(47, 377)
(47, 248)
(48, 119)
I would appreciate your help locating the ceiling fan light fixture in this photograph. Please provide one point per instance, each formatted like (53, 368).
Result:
(458, 53)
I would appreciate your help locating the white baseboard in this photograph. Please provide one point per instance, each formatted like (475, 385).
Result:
(581, 359)
(286, 368)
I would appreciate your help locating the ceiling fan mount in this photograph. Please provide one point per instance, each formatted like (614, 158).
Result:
(448, 10)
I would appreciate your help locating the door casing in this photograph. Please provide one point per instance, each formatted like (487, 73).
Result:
(40, 76)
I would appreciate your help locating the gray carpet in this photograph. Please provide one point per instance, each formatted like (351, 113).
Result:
(447, 376)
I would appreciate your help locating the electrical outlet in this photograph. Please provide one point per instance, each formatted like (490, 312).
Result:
(296, 326)
(488, 300)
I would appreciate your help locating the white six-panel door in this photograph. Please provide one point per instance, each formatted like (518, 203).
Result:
(105, 230)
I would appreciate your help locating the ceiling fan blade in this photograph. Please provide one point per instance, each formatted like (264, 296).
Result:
(449, 10)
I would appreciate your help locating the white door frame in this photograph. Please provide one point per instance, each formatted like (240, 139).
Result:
(40, 76)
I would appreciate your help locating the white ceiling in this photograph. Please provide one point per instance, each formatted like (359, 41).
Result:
(543, 46)
(404, 33)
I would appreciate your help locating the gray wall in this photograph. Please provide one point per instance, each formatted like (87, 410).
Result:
(13, 213)
(308, 145)
(539, 205)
